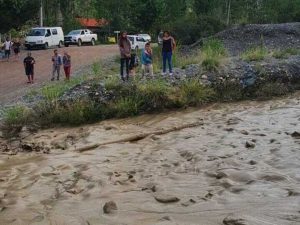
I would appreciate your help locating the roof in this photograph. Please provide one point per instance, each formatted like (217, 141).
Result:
(92, 22)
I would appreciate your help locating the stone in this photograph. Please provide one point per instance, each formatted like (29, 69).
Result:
(296, 135)
(229, 220)
(166, 198)
(110, 207)
(244, 132)
(249, 144)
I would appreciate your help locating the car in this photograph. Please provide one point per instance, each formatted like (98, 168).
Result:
(160, 38)
(44, 37)
(137, 42)
(78, 37)
(147, 37)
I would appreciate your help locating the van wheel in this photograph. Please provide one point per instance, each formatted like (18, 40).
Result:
(46, 45)
(79, 42)
(66, 45)
(60, 44)
(93, 41)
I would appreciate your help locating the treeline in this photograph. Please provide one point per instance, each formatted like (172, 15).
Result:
(187, 19)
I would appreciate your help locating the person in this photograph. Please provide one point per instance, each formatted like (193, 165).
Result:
(29, 67)
(146, 60)
(16, 47)
(133, 63)
(67, 65)
(7, 48)
(168, 46)
(56, 64)
(125, 49)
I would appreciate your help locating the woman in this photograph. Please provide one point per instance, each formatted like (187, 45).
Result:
(168, 46)
(125, 49)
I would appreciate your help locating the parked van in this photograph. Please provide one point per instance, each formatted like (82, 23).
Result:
(137, 42)
(44, 37)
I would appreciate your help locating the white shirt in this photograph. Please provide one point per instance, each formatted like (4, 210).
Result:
(7, 45)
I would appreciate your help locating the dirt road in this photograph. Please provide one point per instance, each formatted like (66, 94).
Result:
(13, 81)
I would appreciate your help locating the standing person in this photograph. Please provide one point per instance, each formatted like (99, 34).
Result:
(125, 49)
(29, 67)
(168, 46)
(56, 64)
(134, 62)
(7, 48)
(16, 47)
(146, 60)
(67, 65)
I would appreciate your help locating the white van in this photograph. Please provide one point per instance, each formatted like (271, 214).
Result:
(137, 42)
(44, 37)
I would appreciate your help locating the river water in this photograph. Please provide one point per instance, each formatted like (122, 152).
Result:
(242, 166)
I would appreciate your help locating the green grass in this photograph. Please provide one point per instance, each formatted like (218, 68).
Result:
(285, 53)
(255, 54)
(213, 51)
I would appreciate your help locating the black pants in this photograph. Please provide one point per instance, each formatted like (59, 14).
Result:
(126, 62)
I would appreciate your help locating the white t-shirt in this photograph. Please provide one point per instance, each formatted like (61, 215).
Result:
(7, 45)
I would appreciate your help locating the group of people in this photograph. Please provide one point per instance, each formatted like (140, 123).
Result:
(129, 59)
(57, 62)
(9, 46)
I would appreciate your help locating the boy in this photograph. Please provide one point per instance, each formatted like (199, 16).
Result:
(29, 67)
(67, 65)
(56, 64)
(146, 60)
(7, 47)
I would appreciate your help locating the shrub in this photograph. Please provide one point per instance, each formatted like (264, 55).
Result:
(127, 106)
(213, 52)
(285, 53)
(255, 54)
(272, 89)
(193, 93)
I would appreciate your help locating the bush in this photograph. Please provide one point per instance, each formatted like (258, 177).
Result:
(285, 53)
(213, 52)
(127, 106)
(255, 54)
(193, 93)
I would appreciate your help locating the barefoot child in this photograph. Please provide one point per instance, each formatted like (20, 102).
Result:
(29, 67)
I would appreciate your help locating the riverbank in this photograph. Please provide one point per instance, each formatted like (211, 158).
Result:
(238, 166)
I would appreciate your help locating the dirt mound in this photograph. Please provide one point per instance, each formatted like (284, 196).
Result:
(273, 36)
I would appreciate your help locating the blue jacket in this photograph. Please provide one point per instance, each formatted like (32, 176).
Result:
(146, 58)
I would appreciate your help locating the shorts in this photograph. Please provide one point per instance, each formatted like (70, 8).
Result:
(7, 53)
(16, 50)
(29, 71)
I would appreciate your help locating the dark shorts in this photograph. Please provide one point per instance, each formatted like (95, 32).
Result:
(29, 71)
(7, 53)
(16, 50)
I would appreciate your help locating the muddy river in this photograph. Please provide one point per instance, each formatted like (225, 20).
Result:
(240, 165)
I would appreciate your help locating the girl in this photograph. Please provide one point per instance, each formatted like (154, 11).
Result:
(67, 65)
(168, 47)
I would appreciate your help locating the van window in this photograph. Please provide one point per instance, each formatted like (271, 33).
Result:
(131, 39)
(54, 31)
(48, 34)
(36, 32)
(82, 32)
(140, 39)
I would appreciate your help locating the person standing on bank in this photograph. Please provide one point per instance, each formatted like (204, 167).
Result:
(147, 67)
(7, 48)
(168, 46)
(29, 67)
(125, 50)
(67, 65)
(56, 64)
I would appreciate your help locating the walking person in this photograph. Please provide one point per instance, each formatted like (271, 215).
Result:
(29, 67)
(146, 59)
(125, 49)
(56, 64)
(168, 47)
(7, 48)
(16, 47)
(67, 65)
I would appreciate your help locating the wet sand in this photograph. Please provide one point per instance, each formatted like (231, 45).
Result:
(241, 167)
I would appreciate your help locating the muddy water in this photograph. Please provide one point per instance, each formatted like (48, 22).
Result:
(218, 179)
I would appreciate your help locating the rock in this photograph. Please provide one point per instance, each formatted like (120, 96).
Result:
(111, 127)
(252, 162)
(244, 132)
(166, 198)
(110, 207)
(296, 135)
(249, 144)
(229, 220)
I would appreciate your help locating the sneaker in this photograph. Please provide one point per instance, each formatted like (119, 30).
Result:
(171, 74)
(163, 73)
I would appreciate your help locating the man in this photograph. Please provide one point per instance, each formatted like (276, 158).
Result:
(7, 47)
(56, 64)
(29, 67)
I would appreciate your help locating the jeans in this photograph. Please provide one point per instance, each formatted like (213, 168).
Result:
(167, 56)
(55, 69)
(126, 62)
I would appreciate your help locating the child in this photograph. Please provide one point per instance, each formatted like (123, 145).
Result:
(56, 64)
(16, 48)
(29, 67)
(67, 65)
(147, 66)
(134, 62)
(7, 47)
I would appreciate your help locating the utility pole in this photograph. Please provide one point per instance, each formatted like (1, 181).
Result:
(228, 12)
(41, 13)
